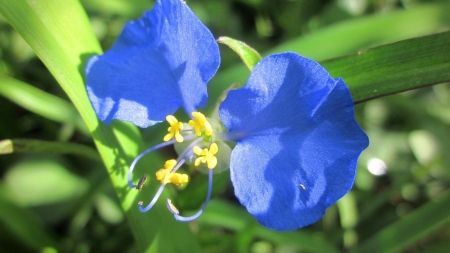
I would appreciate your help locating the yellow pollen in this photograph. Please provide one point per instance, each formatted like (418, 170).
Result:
(206, 156)
(199, 123)
(165, 176)
(174, 129)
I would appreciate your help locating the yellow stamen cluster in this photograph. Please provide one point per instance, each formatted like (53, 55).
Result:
(199, 123)
(174, 129)
(165, 176)
(206, 156)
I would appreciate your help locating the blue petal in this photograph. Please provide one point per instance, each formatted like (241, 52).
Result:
(159, 63)
(297, 141)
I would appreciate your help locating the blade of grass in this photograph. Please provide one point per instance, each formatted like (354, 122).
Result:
(39, 102)
(396, 67)
(410, 228)
(50, 147)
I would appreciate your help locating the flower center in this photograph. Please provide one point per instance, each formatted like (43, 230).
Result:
(201, 145)
(201, 126)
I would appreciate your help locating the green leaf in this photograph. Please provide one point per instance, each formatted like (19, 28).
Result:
(248, 55)
(393, 68)
(60, 34)
(33, 181)
(223, 214)
(348, 37)
(371, 30)
(49, 147)
(41, 103)
(410, 228)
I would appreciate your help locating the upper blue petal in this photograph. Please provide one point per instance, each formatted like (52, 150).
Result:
(159, 63)
(297, 141)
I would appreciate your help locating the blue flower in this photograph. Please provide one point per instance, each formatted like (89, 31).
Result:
(159, 63)
(297, 141)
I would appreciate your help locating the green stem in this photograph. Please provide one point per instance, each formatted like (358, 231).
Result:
(36, 146)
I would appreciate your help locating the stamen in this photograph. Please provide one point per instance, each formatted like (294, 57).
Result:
(133, 164)
(158, 146)
(171, 207)
(180, 161)
(174, 129)
(141, 182)
(199, 123)
(165, 175)
(206, 156)
(174, 210)
(152, 203)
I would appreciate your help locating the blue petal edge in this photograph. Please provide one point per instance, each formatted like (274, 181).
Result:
(298, 142)
(159, 63)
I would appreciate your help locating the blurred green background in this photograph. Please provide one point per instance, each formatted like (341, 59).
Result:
(400, 201)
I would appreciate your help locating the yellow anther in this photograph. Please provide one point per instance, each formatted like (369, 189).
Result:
(199, 123)
(165, 176)
(174, 129)
(169, 164)
(206, 156)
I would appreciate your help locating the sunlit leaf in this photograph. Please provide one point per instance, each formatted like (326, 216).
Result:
(395, 67)
(247, 54)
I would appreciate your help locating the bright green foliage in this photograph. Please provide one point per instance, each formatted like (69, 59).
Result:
(394, 68)
(247, 54)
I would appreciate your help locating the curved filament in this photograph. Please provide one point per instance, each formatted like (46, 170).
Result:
(178, 217)
(152, 203)
(158, 146)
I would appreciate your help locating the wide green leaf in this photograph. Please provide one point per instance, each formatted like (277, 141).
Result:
(394, 68)
(60, 34)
